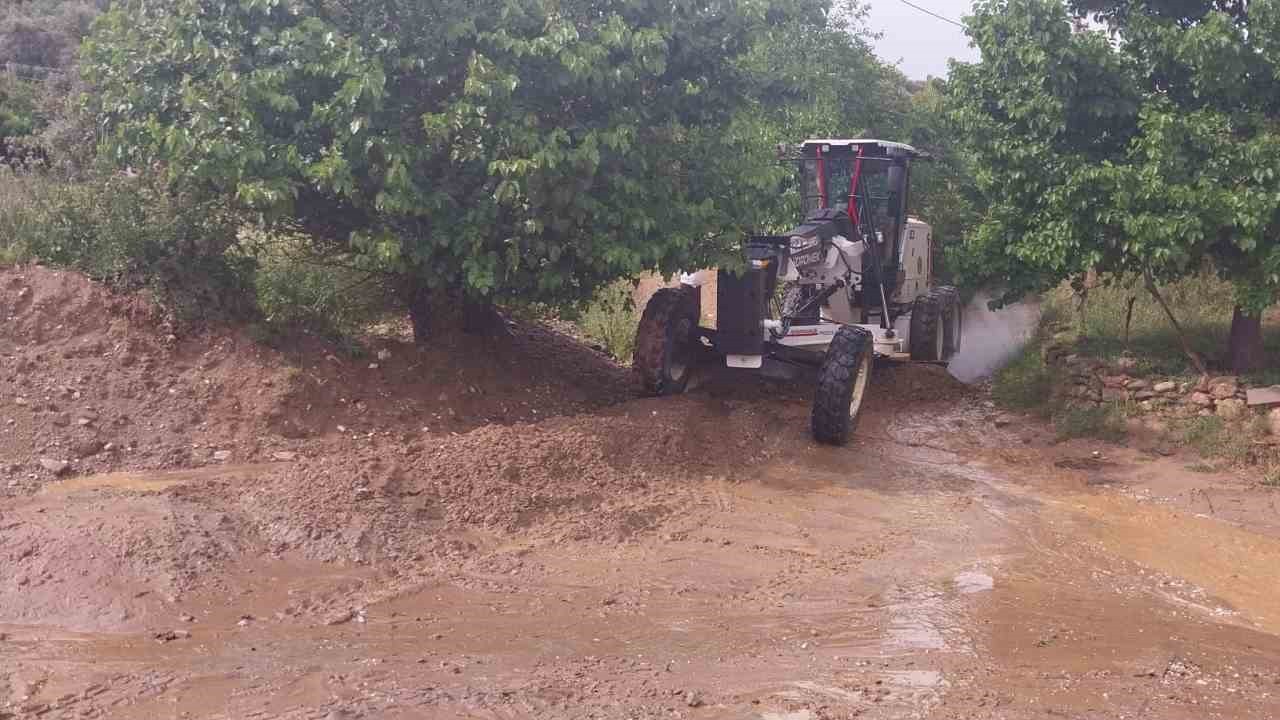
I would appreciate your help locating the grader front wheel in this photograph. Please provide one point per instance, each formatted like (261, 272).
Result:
(842, 385)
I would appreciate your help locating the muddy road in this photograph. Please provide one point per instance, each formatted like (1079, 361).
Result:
(692, 557)
(924, 572)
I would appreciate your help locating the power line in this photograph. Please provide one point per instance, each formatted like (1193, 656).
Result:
(931, 13)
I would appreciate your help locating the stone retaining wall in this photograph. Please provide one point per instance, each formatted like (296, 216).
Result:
(1087, 381)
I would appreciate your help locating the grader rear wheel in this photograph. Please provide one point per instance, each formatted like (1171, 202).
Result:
(666, 341)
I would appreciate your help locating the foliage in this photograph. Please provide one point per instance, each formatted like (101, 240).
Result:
(1025, 383)
(1150, 155)
(1100, 422)
(128, 231)
(1202, 302)
(611, 319)
(18, 107)
(296, 289)
(512, 149)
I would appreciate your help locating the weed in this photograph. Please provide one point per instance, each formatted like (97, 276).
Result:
(1271, 476)
(298, 290)
(1212, 437)
(1101, 422)
(1024, 384)
(1203, 303)
(611, 319)
(1201, 467)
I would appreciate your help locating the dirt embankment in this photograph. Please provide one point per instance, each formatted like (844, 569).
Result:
(408, 458)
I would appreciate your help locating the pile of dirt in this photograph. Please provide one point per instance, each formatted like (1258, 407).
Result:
(600, 477)
(92, 381)
(410, 459)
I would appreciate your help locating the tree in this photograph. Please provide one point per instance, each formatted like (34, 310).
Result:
(1151, 155)
(483, 151)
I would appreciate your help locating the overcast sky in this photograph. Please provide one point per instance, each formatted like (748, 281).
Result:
(917, 43)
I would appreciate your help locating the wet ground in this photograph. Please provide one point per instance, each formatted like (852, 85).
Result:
(936, 568)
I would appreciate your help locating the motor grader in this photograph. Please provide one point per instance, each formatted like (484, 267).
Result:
(851, 283)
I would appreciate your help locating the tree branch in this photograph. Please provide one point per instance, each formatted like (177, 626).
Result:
(1192, 355)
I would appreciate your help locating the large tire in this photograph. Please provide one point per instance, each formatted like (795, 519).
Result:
(794, 297)
(952, 321)
(842, 385)
(928, 336)
(666, 341)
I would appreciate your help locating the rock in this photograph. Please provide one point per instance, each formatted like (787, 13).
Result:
(1003, 420)
(222, 455)
(1137, 384)
(171, 635)
(1224, 387)
(61, 420)
(284, 456)
(1273, 421)
(1114, 394)
(1143, 395)
(187, 618)
(87, 448)
(1166, 386)
(341, 618)
(1201, 399)
(693, 699)
(20, 401)
(384, 355)
(57, 467)
(1114, 381)
(1230, 408)
(1126, 363)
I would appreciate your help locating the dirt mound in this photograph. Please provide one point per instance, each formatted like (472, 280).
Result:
(92, 381)
(603, 477)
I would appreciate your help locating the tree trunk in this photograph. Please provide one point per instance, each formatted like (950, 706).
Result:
(1244, 347)
(1192, 355)
(420, 313)
(479, 317)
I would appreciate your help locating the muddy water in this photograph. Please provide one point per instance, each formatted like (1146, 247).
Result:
(900, 578)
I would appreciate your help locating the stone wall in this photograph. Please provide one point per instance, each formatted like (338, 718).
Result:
(1087, 381)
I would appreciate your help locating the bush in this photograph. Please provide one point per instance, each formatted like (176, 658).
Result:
(611, 319)
(1024, 384)
(1202, 303)
(1100, 422)
(130, 233)
(298, 289)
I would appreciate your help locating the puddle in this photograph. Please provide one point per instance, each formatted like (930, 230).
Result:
(152, 481)
(916, 678)
(969, 582)
(798, 715)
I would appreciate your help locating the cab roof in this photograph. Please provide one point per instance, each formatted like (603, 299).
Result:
(890, 148)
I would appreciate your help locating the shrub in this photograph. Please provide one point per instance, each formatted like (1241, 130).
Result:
(128, 232)
(611, 319)
(1101, 422)
(1024, 384)
(298, 289)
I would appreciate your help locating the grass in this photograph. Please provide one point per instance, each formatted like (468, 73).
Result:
(1025, 383)
(1101, 422)
(1213, 437)
(1202, 303)
(610, 319)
